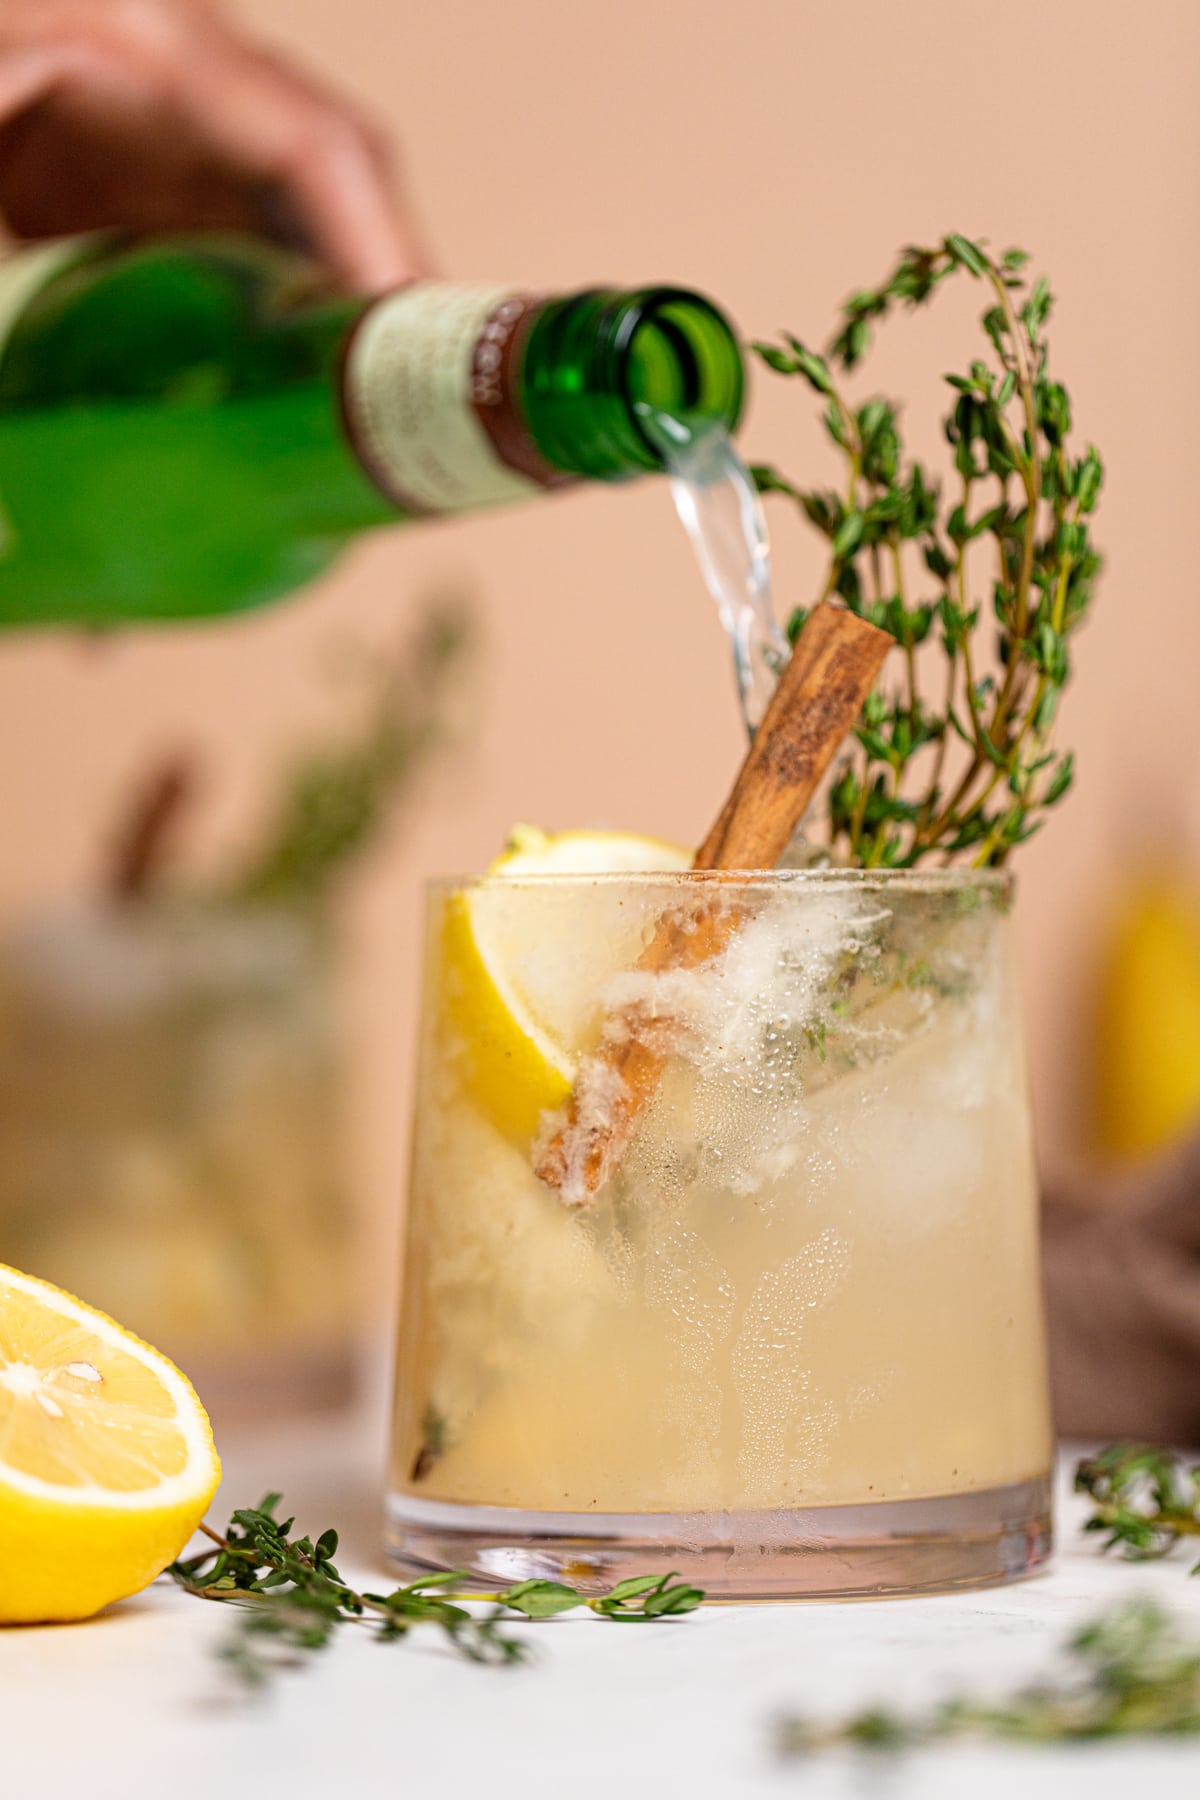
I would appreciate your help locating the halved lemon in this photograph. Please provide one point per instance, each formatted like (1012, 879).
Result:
(524, 965)
(107, 1460)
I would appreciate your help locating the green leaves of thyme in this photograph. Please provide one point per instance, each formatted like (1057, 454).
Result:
(1145, 1500)
(292, 1598)
(640, 1597)
(970, 769)
(1129, 1673)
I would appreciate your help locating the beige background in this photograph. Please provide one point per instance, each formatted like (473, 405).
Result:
(774, 154)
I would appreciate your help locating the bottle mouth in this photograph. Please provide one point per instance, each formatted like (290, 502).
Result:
(605, 369)
(677, 366)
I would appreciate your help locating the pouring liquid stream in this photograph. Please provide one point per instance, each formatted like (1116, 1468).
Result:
(719, 508)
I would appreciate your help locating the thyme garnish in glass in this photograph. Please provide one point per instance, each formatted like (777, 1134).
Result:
(971, 768)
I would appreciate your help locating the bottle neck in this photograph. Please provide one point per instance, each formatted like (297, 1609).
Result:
(456, 397)
(601, 370)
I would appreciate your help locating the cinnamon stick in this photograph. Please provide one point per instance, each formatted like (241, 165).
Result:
(819, 697)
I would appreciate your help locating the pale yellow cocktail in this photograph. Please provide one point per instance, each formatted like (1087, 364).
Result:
(797, 1333)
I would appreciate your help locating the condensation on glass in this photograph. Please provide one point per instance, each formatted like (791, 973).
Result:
(794, 1345)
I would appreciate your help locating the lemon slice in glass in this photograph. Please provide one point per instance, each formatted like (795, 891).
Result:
(522, 980)
(106, 1457)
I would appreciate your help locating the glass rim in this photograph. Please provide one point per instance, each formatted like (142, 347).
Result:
(934, 881)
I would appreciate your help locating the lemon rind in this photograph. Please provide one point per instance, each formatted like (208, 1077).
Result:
(524, 858)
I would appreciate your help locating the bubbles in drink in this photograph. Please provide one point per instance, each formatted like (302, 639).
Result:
(798, 1286)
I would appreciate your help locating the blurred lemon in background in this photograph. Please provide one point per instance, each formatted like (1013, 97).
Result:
(1147, 1048)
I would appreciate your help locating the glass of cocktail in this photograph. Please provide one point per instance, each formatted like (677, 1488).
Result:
(171, 1137)
(778, 1324)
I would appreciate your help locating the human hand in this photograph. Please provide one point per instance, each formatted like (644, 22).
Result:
(160, 115)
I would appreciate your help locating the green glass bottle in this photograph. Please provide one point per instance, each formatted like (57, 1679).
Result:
(189, 427)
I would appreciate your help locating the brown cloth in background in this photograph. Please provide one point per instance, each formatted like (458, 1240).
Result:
(1122, 1269)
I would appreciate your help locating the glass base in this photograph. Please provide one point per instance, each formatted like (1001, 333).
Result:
(829, 1552)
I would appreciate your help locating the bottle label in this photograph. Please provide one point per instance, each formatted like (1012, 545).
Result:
(25, 272)
(428, 398)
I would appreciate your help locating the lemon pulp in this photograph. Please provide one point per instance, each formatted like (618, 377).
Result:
(519, 993)
(106, 1456)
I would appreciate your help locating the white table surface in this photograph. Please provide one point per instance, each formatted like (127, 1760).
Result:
(133, 1705)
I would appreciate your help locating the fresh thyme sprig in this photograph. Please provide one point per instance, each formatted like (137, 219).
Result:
(1145, 1499)
(972, 771)
(293, 1598)
(1132, 1673)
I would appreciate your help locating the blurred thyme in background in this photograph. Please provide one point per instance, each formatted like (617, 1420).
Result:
(293, 1599)
(335, 801)
(1014, 542)
(1130, 1673)
(332, 803)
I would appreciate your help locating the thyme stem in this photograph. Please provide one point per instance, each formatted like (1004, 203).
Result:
(887, 805)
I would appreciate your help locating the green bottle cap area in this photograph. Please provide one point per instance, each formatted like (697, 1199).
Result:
(600, 367)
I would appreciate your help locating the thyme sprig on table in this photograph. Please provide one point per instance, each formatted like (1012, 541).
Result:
(1130, 1672)
(1144, 1499)
(293, 1599)
(973, 770)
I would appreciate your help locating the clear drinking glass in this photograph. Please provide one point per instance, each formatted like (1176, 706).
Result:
(793, 1343)
(171, 1142)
